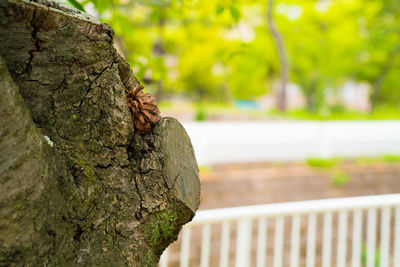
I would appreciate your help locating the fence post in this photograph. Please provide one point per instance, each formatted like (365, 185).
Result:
(224, 257)
(371, 237)
(327, 240)
(205, 246)
(262, 242)
(357, 238)
(278, 242)
(311, 229)
(243, 243)
(342, 239)
(164, 259)
(295, 241)
(185, 247)
(396, 250)
(385, 239)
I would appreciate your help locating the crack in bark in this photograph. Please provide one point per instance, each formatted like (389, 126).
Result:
(173, 184)
(93, 81)
(36, 41)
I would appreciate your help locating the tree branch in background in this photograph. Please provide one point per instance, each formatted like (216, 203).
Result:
(159, 49)
(282, 57)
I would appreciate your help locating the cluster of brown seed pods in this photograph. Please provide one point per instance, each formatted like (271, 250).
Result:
(144, 110)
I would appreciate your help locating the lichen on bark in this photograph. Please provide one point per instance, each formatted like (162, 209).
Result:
(77, 186)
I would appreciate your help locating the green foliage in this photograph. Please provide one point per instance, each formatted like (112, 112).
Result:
(235, 13)
(388, 158)
(335, 113)
(323, 163)
(77, 5)
(391, 158)
(364, 256)
(366, 160)
(223, 50)
(337, 109)
(201, 114)
(340, 178)
(204, 169)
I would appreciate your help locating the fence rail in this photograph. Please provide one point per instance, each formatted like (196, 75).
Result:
(380, 226)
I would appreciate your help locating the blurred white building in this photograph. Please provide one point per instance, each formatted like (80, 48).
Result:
(355, 96)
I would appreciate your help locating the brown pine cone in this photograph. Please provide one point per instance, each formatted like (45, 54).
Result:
(144, 110)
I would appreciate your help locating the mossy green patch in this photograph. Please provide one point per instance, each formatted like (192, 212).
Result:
(163, 226)
(323, 163)
(340, 178)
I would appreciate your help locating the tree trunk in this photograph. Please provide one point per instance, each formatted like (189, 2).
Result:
(159, 51)
(282, 57)
(78, 186)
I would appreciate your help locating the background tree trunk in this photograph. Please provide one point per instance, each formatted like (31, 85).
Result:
(281, 53)
(78, 187)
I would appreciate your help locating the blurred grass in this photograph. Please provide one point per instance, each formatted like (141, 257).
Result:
(201, 113)
(214, 110)
(323, 163)
(204, 168)
(364, 256)
(363, 160)
(388, 158)
(391, 158)
(380, 113)
(340, 178)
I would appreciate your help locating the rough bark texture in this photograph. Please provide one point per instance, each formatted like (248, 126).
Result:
(78, 187)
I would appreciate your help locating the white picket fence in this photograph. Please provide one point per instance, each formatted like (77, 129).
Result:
(381, 233)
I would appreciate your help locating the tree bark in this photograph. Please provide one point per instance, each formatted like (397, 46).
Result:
(78, 186)
(282, 57)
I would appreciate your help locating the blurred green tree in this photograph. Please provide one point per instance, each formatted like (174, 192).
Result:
(223, 50)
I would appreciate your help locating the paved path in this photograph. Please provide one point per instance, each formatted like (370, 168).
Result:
(229, 142)
(232, 185)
